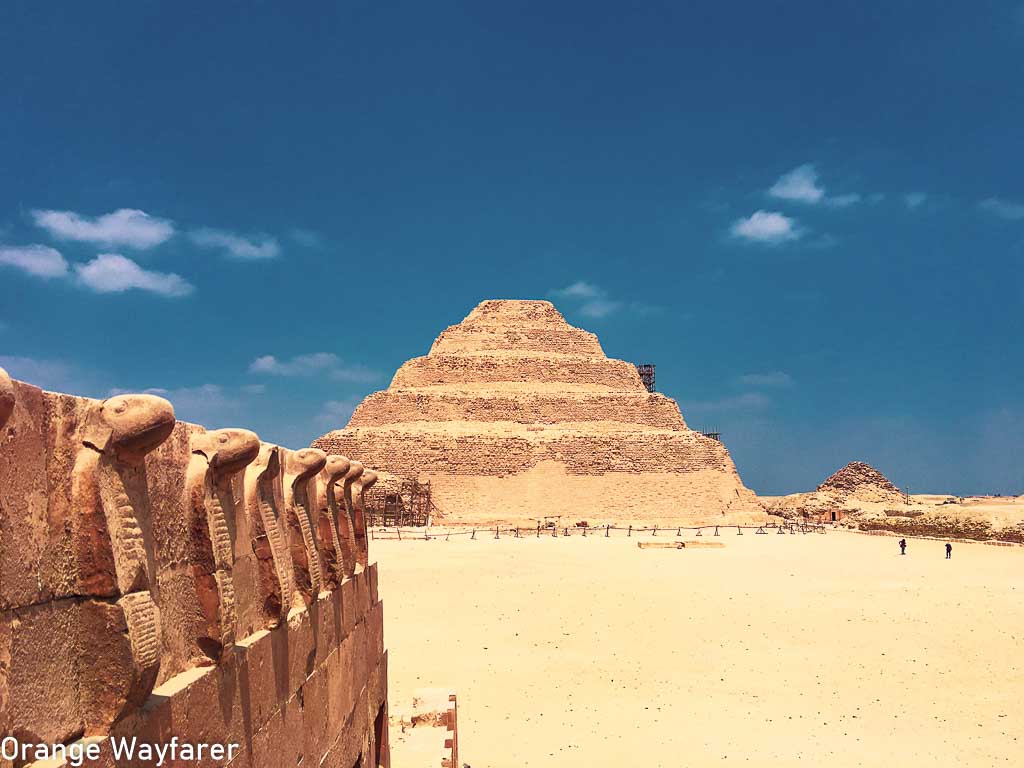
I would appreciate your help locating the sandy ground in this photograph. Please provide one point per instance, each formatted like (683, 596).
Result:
(774, 651)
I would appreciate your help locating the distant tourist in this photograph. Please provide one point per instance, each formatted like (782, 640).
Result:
(949, 551)
(903, 546)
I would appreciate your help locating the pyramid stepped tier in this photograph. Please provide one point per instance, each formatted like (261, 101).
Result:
(396, 406)
(515, 415)
(516, 366)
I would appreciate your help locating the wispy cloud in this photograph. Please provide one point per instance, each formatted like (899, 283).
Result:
(843, 201)
(336, 413)
(779, 379)
(594, 301)
(237, 246)
(114, 273)
(126, 227)
(55, 375)
(581, 289)
(800, 185)
(766, 227)
(745, 401)
(36, 260)
(914, 200)
(314, 364)
(1004, 209)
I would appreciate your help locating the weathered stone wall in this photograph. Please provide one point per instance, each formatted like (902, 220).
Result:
(515, 415)
(568, 369)
(160, 580)
(396, 406)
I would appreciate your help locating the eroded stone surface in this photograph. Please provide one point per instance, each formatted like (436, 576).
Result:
(137, 551)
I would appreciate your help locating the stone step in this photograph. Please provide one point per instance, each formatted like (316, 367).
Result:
(395, 406)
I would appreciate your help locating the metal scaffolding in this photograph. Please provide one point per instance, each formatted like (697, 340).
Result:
(646, 371)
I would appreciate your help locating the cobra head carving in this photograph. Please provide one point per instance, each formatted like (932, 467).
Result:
(268, 459)
(6, 397)
(355, 469)
(128, 427)
(336, 467)
(369, 478)
(228, 450)
(305, 463)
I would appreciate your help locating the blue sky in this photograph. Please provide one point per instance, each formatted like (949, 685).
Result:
(810, 216)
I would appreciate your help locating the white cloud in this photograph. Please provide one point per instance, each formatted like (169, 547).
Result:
(800, 185)
(314, 364)
(36, 260)
(580, 290)
(594, 302)
(124, 227)
(113, 273)
(301, 365)
(54, 375)
(843, 201)
(1004, 209)
(914, 199)
(766, 379)
(336, 413)
(236, 246)
(598, 308)
(766, 227)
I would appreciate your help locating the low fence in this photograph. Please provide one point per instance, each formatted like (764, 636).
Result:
(605, 531)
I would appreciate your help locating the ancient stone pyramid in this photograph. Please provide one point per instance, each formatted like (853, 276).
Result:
(857, 479)
(515, 415)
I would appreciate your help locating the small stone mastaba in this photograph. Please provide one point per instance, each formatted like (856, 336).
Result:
(860, 479)
(515, 415)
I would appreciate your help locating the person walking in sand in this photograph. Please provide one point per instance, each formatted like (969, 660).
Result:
(949, 551)
(903, 546)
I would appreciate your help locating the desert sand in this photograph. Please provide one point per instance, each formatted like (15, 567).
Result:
(775, 650)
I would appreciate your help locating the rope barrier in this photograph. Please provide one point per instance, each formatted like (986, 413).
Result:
(381, 533)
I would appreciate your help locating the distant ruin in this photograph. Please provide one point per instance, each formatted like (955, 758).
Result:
(515, 415)
(158, 579)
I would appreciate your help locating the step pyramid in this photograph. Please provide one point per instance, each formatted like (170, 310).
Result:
(515, 415)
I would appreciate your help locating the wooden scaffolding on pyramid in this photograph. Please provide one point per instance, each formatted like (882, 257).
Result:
(408, 503)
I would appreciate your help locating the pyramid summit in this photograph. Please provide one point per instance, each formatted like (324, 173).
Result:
(515, 414)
